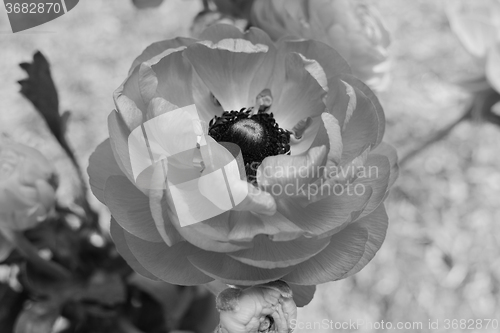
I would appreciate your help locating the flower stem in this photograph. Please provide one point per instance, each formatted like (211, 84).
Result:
(439, 135)
(91, 216)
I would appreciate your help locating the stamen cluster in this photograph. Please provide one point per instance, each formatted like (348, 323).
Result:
(258, 135)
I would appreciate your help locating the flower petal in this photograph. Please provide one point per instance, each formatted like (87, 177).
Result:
(256, 200)
(301, 97)
(302, 295)
(204, 100)
(334, 137)
(344, 251)
(376, 225)
(173, 133)
(316, 71)
(332, 62)
(351, 105)
(309, 132)
(174, 74)
(163, 224)
(374, 174)
(337, 101)
(159, 106)
(269, 254)
(118, 139)
(328, 214)
(217, 32)
(129, 101)
(130, 208)
(170, 264)
(245, 226)
(379, 110)
(362, 129)
(158, 48)
(263, 75)
(232, 61)
(192, 206)
(285, 175)
(389, 152)
(148, 84)
(228, 270)
(143, 82)
(118, 236)
(223, 180)
(265, 16)
(211, 234)
(346, 173)
(475, 23)
(102, 165)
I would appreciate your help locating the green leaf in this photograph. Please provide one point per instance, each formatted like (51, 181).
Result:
(40, 89)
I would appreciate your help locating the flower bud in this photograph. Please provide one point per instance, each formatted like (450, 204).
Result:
(27, 186)
(263, 308)
(206, 19)
(476, 24)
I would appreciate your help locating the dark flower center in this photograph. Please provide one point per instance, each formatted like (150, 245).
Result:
(258, 136)
(267, 325)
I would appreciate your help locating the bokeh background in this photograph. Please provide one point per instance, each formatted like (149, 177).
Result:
(441, 257)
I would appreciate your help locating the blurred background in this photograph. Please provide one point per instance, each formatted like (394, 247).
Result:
(441, 257)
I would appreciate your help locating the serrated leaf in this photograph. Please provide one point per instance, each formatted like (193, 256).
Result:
(40, 89)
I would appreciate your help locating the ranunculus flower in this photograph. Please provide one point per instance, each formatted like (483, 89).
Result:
(262, 308)
(286, 116)
(205, 19)
(27, 189)
(353, 28)
(477, 25)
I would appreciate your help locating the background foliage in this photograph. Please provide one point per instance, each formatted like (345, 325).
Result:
(441, 258)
